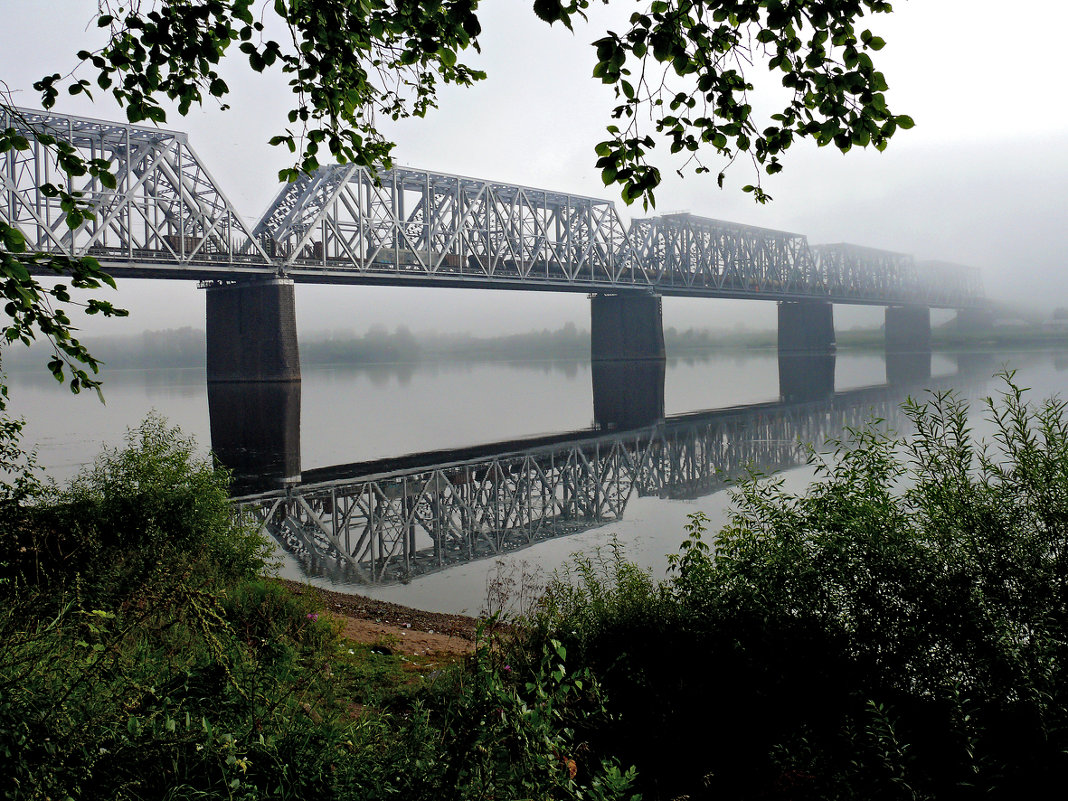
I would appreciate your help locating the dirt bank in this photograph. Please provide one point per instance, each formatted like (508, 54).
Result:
(409, 631)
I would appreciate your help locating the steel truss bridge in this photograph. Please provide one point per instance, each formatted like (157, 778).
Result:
(167, 218)
(379, 526)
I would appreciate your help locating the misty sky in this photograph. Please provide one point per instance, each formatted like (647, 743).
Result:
(981, 180)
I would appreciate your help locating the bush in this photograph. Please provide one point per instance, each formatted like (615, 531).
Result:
(899, 630)
(150, 512)
(143, 657)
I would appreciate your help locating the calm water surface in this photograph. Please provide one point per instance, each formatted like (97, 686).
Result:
(352, 416)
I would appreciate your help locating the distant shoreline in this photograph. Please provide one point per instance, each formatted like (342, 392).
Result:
(184, 348)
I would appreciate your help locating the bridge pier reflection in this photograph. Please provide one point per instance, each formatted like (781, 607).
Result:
(252, 331)
(628, 394)
(905, 369)
(805, 377)
(255, 433)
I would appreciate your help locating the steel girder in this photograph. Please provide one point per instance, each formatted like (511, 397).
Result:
(414, 225)
(168, 218)
(696, 253)
(393, 526)
(165, 211)
(423, 227)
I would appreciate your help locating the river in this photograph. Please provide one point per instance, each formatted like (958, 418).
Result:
(454, 423)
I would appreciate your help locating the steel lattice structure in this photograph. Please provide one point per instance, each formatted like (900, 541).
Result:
(392, 526)
(167, 218)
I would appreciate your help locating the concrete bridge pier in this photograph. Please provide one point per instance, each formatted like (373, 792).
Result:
(908, 329)
(806, 326)
(252, 331)
(626, 327)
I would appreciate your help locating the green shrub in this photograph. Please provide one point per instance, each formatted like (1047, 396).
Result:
(143, 657)
(898, 630)
(148, 513)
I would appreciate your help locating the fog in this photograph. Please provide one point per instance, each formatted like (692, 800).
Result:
(980, 180)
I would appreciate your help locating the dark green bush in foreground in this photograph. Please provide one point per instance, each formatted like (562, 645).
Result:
(142, 656)
(898, 631)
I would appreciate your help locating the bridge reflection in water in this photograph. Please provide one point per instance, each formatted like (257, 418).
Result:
(391, 520)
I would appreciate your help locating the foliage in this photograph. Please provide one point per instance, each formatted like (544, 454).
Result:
(349, 63)
(145, 658)
(514, 731)
(29, 304)
(143, 516)
(684, 63)
(898, 630)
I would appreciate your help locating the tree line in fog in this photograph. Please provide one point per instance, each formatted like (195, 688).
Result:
(184, 347)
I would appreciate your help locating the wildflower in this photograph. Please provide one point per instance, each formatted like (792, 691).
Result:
(507, 668)
(313, 615)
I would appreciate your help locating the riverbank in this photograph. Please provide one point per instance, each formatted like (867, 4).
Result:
(402, 629)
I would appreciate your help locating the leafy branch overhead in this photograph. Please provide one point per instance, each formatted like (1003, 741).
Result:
(349, 62)
(683, 64)
(680, 73)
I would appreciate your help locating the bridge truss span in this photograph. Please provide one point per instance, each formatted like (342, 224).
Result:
(698, 254)
(166, 215)
(167, 218)
(417, 225)
(413, 226)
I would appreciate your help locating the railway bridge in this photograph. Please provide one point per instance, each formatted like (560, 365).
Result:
(167, 218)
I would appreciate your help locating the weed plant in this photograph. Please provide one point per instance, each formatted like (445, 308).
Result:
(900, 630)
(143, 655)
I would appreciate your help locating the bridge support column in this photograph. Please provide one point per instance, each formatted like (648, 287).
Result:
(252, 332)
(626, 327)
(806, 326)
(908, 329)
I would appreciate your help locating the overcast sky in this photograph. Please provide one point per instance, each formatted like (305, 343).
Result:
(981, 180)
